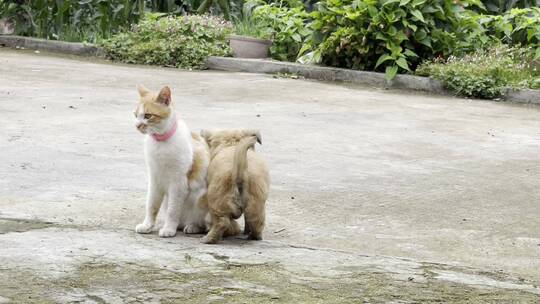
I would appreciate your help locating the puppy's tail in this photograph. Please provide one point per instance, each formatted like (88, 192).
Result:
(239, 172)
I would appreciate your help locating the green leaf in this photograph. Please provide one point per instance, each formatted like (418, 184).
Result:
(395, 49)
(390, 72)
(416, 3)
(410, 53)
(429, 9)
(381, 36)
(537, 56)
(390, 1)
(418, 15)
(402, 62)
(372, 11)
(382, 59)
(530, 34)
(204, 7)
(306, 47)
(508, 29)
(400, 36)
(420, 35)
(425, 41)
(412, 27)
(404, 2)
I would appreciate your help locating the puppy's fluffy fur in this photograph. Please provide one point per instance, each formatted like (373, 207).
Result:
(238, 182)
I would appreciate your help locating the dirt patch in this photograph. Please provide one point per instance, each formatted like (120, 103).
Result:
(368, 286)
(22, 225)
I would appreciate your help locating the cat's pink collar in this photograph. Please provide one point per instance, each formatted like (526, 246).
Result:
(166, 135)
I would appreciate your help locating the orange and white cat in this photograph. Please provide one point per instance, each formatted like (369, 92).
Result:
(177, 162)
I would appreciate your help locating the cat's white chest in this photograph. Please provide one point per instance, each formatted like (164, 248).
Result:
(168, 158)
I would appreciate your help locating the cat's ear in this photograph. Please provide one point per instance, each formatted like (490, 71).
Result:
(256, 133)
(142, 90)
(164, 96)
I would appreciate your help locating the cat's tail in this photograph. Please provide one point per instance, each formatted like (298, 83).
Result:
(239, 172)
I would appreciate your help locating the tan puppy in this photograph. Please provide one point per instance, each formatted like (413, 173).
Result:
(238, 182)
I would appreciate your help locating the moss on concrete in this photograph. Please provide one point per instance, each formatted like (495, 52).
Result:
(236, 283)
(21, 225)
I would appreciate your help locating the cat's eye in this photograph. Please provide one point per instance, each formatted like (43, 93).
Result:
(147, 116)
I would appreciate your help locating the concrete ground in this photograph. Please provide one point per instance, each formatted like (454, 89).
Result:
(377, 196)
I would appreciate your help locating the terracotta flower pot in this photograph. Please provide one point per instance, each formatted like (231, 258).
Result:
(248, 47)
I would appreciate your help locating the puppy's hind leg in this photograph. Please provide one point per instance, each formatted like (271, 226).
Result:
(254, 218)
(233, 229)
(219, 226)
(247, 229)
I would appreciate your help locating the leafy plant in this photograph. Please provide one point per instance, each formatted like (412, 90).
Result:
(516, 27)
(183, 42)
(286, 25)
(386, 35)
(227, 8)
(169, 6)
(502, 6)
(248, 26)
(306, 4)
(83, 20)
(486, 73)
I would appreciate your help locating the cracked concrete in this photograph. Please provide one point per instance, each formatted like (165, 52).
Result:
(377, 196)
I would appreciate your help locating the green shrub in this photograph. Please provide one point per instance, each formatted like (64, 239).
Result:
(386, 35)
(183, 42)
(83, 20)
(223, 5)
(515, 27)
(283, 3)
(486, 73)
(501, 6)
(287, 27)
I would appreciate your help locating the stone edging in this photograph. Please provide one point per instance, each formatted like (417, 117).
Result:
(523, 95)
(324, 73)
(353, 76)
(74, 48)
(271, 67)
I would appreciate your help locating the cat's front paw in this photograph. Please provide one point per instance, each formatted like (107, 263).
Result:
(193, 229)
(167, 232)
(143, 228)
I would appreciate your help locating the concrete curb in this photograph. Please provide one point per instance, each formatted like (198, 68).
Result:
(74, 48)
(523, 96)
(360, 77)
(324, 73)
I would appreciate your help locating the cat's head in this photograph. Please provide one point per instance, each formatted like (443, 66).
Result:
(153, 110)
